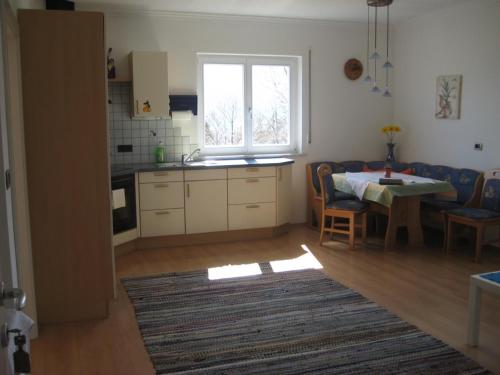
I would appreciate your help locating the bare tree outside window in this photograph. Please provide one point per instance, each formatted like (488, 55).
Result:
(223, 104)
(271, 105)
(246, 104)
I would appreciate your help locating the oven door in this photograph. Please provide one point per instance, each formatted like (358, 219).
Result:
(124, 213)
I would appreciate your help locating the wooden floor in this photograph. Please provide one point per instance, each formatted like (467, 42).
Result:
(423, 286)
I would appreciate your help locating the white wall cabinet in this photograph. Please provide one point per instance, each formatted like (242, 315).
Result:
(283, 194)
(149, 84)
(206, 206)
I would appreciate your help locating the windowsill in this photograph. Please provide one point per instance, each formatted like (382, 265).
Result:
(249, 156)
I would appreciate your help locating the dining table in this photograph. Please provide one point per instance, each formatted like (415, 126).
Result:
(399, 201)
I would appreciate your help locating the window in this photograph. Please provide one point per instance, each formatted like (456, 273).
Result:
(248, 104)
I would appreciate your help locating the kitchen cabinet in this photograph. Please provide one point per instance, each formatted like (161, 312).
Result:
(64, 103)
(252, 197)
(162, 222)
(252, 190)
(149, 84)
(161, 202)
(284, 194)
(249, 216)
(214, 199)
(206, 201)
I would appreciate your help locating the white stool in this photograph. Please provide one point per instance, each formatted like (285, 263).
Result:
(488, 281)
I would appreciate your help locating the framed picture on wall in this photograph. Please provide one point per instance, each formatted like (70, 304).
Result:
(448, 97)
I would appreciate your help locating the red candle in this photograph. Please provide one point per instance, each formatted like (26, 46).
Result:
(388, 171)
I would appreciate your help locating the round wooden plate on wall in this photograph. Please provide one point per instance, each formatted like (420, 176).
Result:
(353, 69)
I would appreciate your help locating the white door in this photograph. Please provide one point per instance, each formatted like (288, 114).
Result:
(7, 259)
(206, 206)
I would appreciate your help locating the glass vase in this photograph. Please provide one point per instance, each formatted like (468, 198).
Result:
(390, 152)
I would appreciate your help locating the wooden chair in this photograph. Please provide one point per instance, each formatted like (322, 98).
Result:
(349, 209)
(479, 218)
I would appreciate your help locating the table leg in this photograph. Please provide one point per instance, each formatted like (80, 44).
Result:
(413, 223)
(393, 222)
(474, 313)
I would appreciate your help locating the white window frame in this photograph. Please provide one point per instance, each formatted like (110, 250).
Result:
(293, 62)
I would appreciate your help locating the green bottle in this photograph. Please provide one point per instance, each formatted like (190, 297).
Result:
(160, 153)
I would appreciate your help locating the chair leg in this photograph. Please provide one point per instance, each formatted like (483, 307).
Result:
(352, 231)
(323, 223)
(449, 235)
(364, 219)
(479, 242)
(332, 227)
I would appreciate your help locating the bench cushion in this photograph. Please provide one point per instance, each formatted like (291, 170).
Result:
(353, 165)
(491, 195)
(464, 181)
(348, 205)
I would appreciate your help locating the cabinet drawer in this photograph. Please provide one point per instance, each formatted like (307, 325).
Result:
(252, 190)
(162, 222)
(161, 195)
(250, 172)
(160, 176)
(247, 216)
(206, 174)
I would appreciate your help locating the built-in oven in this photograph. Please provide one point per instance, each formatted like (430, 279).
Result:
(124, 213)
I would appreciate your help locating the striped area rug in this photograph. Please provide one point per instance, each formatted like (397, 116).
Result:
(297, 322)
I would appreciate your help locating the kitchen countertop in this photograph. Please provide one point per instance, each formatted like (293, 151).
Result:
(123, 169)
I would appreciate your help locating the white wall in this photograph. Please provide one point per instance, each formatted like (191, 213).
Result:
(345, 115)
(463, 39)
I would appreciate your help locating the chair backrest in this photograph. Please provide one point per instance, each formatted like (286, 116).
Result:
(336, 168)
(490, 198)
(326, 187)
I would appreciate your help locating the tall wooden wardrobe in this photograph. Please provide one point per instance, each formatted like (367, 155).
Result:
(64, 96)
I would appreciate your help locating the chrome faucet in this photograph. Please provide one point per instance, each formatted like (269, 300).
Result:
(187, 158)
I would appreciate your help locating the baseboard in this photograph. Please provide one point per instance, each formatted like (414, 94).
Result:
(145, 243)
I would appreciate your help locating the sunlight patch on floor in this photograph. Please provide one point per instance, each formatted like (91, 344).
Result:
(230, 271)
(303, 262)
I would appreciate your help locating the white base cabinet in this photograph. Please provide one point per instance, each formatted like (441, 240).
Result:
(250, 216)
(213, 200)
(206, 206)
(161, 203)
(162, 222)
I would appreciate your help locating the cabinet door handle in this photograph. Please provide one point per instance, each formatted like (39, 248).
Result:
(253, 206)
(252, 180)
(252, 169)
(159, 174)
(161, 186)
(187, 190)
(162, 213)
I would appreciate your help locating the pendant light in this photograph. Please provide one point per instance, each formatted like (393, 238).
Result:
(375, 55)
(387, 65)
(368, 78)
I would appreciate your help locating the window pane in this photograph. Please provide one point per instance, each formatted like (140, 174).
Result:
(270, 105)
(223, 92)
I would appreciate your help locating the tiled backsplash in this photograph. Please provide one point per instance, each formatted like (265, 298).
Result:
(143, 135)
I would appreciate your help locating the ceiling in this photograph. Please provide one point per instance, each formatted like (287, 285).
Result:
(337, 10)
